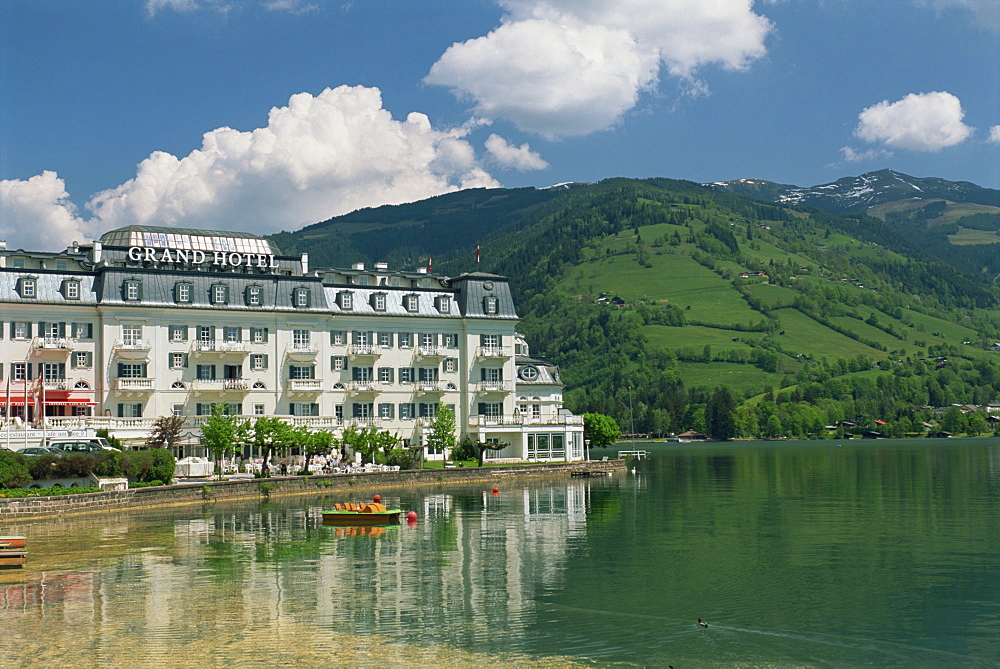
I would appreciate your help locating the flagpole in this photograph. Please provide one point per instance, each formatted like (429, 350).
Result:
(7, 420)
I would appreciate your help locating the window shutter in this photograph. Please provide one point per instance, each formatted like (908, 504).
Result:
(62, 329)
(314, 409)
(185, 359)
(144, 370)
(265, 360)
(62, 370)
(121, 410)
(482, 374)
(90, 359)
(90, 330)
(41, 328)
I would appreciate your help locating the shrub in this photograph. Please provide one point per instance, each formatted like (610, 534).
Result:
(13, 470)
(162, 467)
(465, 450)
(401, 457)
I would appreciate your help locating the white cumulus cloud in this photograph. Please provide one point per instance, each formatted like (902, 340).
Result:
(37, 214)
(517, 157)
(918, 122)
(994, 137)
(985, 13)
(317, 157)
(852, 155)
(571, 67)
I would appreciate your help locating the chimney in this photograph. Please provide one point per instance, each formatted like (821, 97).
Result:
(96, 255)
(421, 270)
(382, 266)
(358, 266)
(305, 263)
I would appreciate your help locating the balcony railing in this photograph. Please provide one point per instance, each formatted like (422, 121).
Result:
(364, 386)
(302, 350)
(132, 348)
(491, 421)
(494, 387)
(430, 352)
(220, 385)
(305, 385)
(494, 352)
(53, 343)
(222, 346)
(358, 350)
(123, 384)
(54, 384)
(431, 386)
(365, 422)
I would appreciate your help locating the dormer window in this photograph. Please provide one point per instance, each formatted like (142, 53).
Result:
(71, 289)
(17, 263)
(361, 280)
(491, 305)
(132, 290)
(182, 292)
(220, 293)
(378, 301)
(443, 304)
(253, 296)
(300, 297)
(27, 286)
(345, 300)
(411, 303)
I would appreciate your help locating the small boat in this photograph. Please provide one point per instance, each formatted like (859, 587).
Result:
(354, 514)
(13, 551)
(13, 542)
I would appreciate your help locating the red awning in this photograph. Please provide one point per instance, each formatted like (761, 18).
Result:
(71, 403)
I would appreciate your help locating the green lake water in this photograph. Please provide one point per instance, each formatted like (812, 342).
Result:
(798, 554)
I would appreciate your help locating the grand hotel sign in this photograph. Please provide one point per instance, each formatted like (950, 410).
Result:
(198, 257)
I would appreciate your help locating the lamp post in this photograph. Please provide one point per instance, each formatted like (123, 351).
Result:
(586, 448)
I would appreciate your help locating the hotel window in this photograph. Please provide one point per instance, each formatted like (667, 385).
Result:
(220, 293)
(231, 334)
(206, 333)
(131, 334)
(411, 303)
(133, 290)
(338, 337)
(83, 330)
(450, 340)
(28, 287)
(338, 363)
(182, 292)
(83, 359)
(490, 409)
(178, 360)
(205, 372)
(258, 335)
(258, 409)
(132, 370)
(258, 361)
(361, 337)
(385, 411)
(405, 340)
(427, 374)
(130, 410)
(253, 296)
(428, 409)
(62, 265)
(385, 374)
(407, 410)
(302, 372)
(17, 263)
(451, 365)
(361, 280)
(19, 371)
(51, 330)
(300, 338)
(385, 339)
(428, 340)
(338, 412)
(378, 301)
(71, 289)
(20, 330)
(362, 410)
(362, 374)
(177, 410)
(304, 409)
(491, 305)
(301, 296)
(491, 374)
(406, 375)
(443, 304)
(178, 333)
(345, 300)
(395, 281)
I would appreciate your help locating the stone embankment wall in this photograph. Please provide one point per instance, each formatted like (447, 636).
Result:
(361, 484)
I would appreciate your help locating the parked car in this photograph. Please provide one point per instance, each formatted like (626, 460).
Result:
(80, 445)
(38, 450)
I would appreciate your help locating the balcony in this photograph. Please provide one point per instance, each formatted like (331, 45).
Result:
(363, 351)
(425, 352)
(302, 351)
(487, 387)
(200, 386)
(365, 422)
(132, 386)
(495, 421)
(304, 386)
(425, 387)
(54, 384)
(494, 352)
(359, 387)
(57, 344)
(221, 347)
(132, 349)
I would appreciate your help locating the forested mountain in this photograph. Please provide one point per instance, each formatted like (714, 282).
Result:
(674, 306)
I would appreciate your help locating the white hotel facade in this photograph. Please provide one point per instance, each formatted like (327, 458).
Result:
(148, 322)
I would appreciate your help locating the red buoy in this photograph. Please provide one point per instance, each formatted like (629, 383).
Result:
(496, 491)
(412, 515)
(377, 498)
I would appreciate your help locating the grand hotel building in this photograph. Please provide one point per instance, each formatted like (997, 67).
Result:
(150, 321)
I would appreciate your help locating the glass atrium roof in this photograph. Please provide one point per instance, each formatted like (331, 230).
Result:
(188, 238)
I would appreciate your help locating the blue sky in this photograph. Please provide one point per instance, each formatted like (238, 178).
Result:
(263, 115)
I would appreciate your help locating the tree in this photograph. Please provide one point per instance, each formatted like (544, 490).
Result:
(221, 432)
(312, 443)
(720, 414)
(271, 435)
(600, 429)
(442, 431)
(166, 432)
